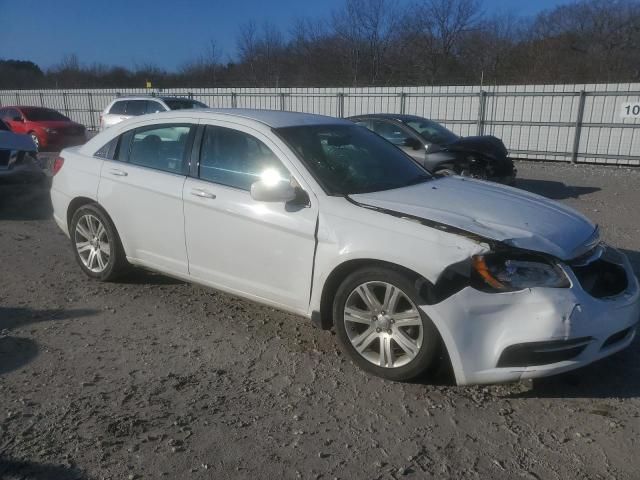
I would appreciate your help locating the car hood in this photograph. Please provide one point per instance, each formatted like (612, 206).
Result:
(57, 124)
(484, 144)
(496, 212)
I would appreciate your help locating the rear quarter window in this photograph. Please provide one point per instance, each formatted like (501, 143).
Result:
(118, 108)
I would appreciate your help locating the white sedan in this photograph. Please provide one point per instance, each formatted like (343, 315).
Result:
(321, 217)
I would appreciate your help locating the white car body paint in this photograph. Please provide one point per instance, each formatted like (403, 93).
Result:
(283, 257)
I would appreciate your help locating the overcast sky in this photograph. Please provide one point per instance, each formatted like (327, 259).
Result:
(161, 32)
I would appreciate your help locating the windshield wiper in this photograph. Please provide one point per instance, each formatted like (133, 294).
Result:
(419, 179)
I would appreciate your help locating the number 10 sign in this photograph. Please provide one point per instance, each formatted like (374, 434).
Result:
(630, 110)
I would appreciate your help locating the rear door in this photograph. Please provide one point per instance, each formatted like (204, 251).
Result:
(263, 250)
(141, 188)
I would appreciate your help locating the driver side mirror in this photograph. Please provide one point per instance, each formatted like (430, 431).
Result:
(412, 143)
(265, 190)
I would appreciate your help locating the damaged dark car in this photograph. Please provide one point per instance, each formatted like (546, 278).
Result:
(440, 150)
(18, 161)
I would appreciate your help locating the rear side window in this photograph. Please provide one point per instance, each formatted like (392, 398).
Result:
(161, 147)
(236, 159)
(136, 107)
(118, 108)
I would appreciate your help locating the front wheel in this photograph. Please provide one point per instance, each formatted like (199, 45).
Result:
(380, 326)
(96, 244)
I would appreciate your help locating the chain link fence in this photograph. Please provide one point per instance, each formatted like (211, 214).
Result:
(574, 123)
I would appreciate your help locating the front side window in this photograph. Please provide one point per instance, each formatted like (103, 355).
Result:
(348, 159)
(237, 159)
(160, 147)
(431, 131)
(118, 108)
(136, 107)
(389, 131)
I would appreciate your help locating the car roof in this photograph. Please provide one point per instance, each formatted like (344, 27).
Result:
(26, 107)
(389, 116)
(150, 97)
(271, 118)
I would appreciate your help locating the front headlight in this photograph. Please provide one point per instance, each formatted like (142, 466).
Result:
(507, 273)
(50, 130)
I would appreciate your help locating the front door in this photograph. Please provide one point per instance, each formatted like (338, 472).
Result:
(260, 249)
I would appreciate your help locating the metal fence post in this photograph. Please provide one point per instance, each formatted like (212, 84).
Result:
(234, 100)
(340, 104)
(41, 99)
(481, 111)
(65, 103)
(283, 105)
(578, 128)
(403, 103)
(17, 98)
(91, 111)
(190, 95)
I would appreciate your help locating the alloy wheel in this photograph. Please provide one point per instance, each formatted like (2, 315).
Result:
(92, 243)
(383, 325)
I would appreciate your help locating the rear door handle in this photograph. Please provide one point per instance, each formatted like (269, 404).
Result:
(118, 173)
(198, 192)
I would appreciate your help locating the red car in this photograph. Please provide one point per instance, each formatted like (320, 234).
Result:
(49, 129)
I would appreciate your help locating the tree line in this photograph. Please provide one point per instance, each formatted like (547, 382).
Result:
(378, 42)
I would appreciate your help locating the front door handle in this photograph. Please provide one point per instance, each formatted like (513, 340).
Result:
(198, 192)
(118, 173)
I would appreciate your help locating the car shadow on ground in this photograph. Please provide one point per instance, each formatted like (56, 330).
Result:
(552, 189)
(25, 201)
(15, 351)
(19, 469)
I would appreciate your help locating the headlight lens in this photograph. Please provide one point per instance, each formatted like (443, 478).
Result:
(507, 273)
(50, 130)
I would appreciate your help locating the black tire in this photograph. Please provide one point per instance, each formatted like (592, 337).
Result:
(117, 260)
(409, 285)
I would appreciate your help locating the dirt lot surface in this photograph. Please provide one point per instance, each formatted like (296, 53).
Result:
(155, 378)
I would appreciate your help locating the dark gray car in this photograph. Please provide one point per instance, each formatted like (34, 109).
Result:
(442, 151)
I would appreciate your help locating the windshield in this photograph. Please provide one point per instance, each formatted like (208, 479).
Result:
(349, 159)
(3, 126)
(44, 115)
(431, 131)
(179, 104)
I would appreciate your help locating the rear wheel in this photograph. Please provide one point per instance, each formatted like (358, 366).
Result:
(380, 325)
(96, 243)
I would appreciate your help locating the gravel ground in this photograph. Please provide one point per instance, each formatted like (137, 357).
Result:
(156, 378)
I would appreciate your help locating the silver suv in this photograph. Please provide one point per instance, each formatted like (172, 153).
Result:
(123, 108)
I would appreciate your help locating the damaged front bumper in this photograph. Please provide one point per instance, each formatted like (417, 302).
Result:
(505, 337)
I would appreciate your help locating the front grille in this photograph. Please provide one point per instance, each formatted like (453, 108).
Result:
(542, 353)
(603, 277)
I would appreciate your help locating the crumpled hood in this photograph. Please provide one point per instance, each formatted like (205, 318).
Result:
(493, 211)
